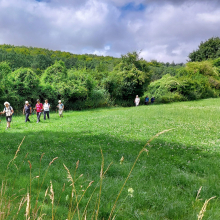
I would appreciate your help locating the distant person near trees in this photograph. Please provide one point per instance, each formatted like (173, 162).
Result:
(146, 101)
(27, 110)
(46, 107)
(39, 109)
(61, 108)
(152, 100)
(137, 100)
(8, 111)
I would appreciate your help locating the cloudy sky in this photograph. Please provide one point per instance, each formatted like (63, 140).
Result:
(165, 30)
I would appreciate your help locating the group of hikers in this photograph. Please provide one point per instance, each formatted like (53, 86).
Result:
(147, 100)
(45, 108)
(27, 111)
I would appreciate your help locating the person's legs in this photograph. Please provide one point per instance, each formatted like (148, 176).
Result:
(27, 117)
(45, 115)
(48, 115)
(38, 116)
(61, 112)
(7, 122)
(8, 119)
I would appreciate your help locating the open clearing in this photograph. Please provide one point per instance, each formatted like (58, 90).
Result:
(165, 181)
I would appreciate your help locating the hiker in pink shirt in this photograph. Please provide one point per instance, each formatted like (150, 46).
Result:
(39, 109)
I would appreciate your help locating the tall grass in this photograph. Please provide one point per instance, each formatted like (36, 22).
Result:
(8, 205)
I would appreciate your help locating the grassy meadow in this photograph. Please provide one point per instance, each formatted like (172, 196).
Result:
(165, 180)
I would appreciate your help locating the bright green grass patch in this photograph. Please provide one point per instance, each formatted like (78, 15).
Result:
(165, 181)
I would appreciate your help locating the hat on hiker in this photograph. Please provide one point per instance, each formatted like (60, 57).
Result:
(6, 103)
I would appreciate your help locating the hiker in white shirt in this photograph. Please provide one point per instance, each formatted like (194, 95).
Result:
(8, 111)
(137, 100)
(46, 107)
(61, 108)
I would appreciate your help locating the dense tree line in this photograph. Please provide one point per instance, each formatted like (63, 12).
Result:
(38, 59)
(88, 81)
(78, 88)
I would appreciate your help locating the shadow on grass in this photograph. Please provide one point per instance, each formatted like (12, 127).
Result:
(165, 182)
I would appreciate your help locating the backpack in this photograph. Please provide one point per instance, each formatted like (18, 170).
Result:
(9, 108)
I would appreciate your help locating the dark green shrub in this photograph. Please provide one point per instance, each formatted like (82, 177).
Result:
(98, 98)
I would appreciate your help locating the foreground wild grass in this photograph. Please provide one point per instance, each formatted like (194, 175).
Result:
(165, 182)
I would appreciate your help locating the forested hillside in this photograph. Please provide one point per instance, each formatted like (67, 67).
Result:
(39, 59)
(89, 81)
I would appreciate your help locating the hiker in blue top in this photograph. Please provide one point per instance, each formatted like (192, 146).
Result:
(8, 111)
(27, 110)
(152, 100)
(146, 101)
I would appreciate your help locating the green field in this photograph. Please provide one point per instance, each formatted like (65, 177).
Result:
(165, 181)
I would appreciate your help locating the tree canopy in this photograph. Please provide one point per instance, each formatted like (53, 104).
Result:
(209, 49)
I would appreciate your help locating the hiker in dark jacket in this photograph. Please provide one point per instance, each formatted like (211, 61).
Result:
(27, 110)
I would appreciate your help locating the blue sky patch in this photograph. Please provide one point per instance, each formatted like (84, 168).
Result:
(133, 7)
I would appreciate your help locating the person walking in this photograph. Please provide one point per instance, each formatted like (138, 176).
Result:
(39, 109)
(61, 108)
(46, 108)
(137, 100)
(8, 111)
(146, 101)
(152, 100)
(27, 110)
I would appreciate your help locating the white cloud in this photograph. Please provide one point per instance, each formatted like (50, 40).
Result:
(209, 18)
(165, 30)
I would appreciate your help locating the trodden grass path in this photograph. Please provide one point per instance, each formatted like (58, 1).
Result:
(165, 181)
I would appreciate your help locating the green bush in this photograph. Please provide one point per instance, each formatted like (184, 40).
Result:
(197, 80)
(24, 86)
(98, 98)
(204, 68)
(56, 73)
(129, 78)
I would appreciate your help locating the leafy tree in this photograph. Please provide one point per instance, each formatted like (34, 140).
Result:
(25, 84)
(204, 68)
(5, 84)
(81, 84)
(129, 78)
(25, 81)
(57, 73)
(42, 62)
(209, 49)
